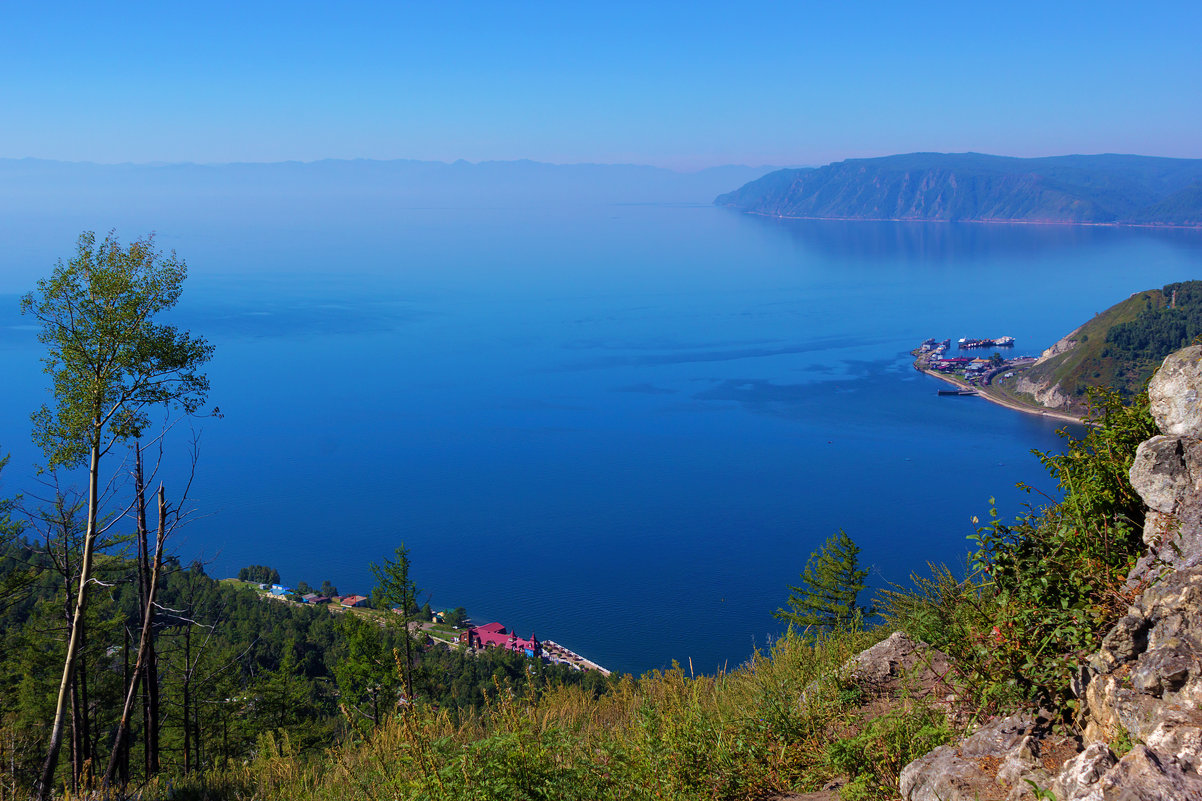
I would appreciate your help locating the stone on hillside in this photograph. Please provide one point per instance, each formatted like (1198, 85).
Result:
(996, 762)
(900, 662)
(1081, 774)
(1142, 775)
(1148, 682)
(1160, 474)
(1175, 393)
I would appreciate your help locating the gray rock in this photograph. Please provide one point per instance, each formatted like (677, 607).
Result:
(1178, 735)
(996, 761)
(1143, 776)
(1081, 774)
(1160, 474)
(900, 662)
(1174, 392)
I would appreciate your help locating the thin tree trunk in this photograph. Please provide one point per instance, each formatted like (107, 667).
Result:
(150, 673)
(147, 624)
(76, 717)
(81, 674)
(187, 700)
(76, 732)
(46, 780)
(128, 684)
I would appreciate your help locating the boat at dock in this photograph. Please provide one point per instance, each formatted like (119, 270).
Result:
(1000, 342)
(965, 392)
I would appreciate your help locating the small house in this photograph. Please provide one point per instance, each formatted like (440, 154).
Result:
(354, 600)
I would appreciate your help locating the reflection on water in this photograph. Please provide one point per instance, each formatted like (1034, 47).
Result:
(964, 243)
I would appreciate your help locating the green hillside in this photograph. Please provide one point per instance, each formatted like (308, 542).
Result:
(1119, 348)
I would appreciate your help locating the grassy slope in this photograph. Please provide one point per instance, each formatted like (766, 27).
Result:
(1085, 364)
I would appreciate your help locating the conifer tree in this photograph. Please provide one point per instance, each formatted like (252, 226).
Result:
(830, 585)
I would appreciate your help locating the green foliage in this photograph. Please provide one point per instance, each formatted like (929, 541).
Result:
(1160, 328)
(108, 359)
(1041, 590)
(873, 757)
(367, 675)
(830, 585)
(259, 574)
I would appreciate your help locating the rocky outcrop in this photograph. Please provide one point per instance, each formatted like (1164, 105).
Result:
(900, 663)
(1001, 760)
(1045, 390)
(1142, 690)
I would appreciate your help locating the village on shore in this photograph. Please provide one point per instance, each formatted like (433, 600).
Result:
(932, 356)
(450, 628)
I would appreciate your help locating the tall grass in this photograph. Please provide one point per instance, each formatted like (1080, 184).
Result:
(764, 728)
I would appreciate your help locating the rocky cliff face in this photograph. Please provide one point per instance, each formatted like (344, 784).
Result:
(1142, 691)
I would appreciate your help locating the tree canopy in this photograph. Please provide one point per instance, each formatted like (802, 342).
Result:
(830, 585)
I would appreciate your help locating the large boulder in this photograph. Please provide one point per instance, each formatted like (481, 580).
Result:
(1175, 393)
(901, 663)
(1167, 471)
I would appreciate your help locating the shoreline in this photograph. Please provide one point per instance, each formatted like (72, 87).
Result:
(984, 392)
(1172, 226)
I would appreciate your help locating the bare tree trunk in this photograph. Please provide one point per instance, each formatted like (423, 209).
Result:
(147, 625)
(187, 700)
(150, 673)
(76, 717)
(127, 683)
(85, 715)
(46, 780)
(76, 744)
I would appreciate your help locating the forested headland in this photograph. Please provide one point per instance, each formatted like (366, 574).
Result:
(1118, 348)
(1102, 189)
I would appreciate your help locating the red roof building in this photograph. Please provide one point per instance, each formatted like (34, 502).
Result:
(494, 635)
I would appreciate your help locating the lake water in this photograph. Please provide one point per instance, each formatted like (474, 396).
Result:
(622, 427)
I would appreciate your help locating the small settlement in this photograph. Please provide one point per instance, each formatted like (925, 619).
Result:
(932, 356)
(473, 638)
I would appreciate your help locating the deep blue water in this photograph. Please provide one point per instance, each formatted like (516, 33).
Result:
(622, 427)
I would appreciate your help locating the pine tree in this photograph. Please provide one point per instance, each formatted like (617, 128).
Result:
(830, 586)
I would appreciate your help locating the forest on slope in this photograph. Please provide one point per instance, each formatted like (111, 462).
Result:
(1118, 349)
(978, 187)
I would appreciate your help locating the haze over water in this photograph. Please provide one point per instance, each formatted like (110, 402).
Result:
(623, 427)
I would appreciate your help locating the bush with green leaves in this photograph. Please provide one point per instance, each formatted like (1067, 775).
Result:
(1041, 591)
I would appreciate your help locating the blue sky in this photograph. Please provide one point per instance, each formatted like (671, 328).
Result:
(683, 85)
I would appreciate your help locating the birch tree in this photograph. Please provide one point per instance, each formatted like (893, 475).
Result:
(110, 362)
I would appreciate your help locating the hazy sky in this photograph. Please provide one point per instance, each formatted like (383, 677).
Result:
(677, 84)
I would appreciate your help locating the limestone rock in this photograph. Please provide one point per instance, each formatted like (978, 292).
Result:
(900, 662)
(1144, 685)
(1159, 473)
(1081, 774)
(1143, 776)
(1174, 392)
(996, 762)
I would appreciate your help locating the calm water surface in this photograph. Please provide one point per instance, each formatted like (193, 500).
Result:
(621, 427)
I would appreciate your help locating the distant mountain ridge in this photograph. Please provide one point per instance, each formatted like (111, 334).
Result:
(1101, 189)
